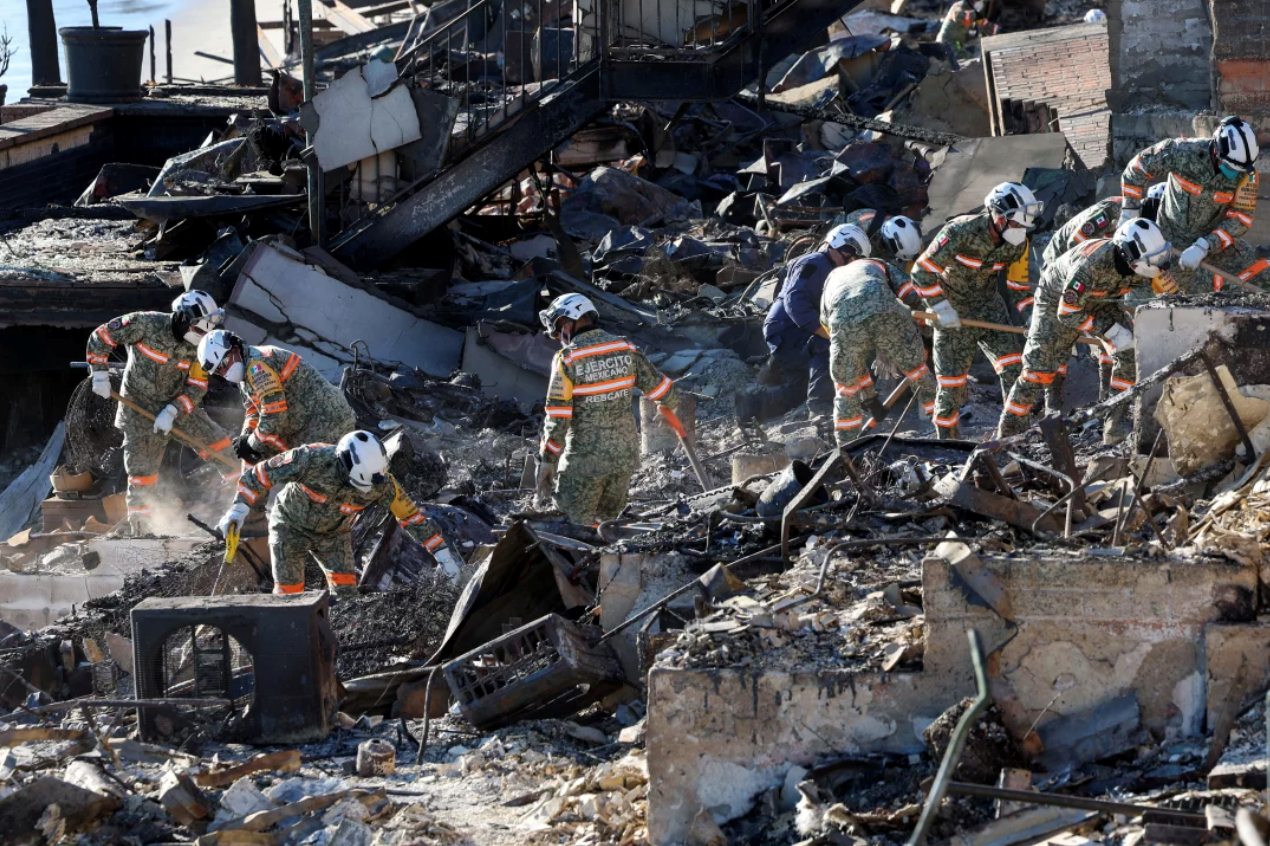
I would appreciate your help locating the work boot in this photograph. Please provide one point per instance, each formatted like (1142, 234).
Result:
(1117, 427)
(1012, 424)
(1054, 395)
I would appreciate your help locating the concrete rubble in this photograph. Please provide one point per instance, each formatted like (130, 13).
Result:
(984, 642)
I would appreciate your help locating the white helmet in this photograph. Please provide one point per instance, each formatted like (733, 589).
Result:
(902, 236)
(364, 457)
(565, 307)
(212, 351)
(196, 315)
(1016, 203)
(1143, 246)
(1095, 16)
(1156, 191)
(1236, 144)
(848, 238)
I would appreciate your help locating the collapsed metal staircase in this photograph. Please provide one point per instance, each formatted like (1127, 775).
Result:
(504, 127)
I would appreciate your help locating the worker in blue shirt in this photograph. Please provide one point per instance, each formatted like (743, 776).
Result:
(798, 364)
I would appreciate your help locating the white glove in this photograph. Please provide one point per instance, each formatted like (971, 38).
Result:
(1120, 338)
(163, 423)
(101, 383)
(235, 516)
(1127, 214)
(947, 315)
(1194, 254)
(449, 562)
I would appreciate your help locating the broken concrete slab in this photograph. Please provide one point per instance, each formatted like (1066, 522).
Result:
(1196, 423)
(22, 809)
(369, 113)
(1091, 735)
(718, 738)
(291, 301)
(22, 498)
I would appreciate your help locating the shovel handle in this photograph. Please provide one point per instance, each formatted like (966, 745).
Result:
(1228, 277)
(1000, 327)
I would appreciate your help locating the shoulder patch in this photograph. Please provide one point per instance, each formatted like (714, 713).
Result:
(1087, 229)
(280, 459)
(941, 241)
(1069, 297)
(117, 323)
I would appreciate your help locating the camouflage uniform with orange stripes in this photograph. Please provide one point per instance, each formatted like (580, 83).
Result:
(1199, 202)
(289, 403)
(1080, 292)
(961, 265)
(162, 370)
(590, 426)
(960, 25)
(1097, 221)
(860, 312)
(315, 510)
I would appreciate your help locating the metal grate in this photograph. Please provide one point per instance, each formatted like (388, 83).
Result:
(202, 662)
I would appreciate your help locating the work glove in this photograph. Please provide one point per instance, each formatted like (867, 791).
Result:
(235, 516)
(1120, 338)
(1194, 254)
(1127, 214)
(449, 562)
(947, 315)
(244, 450)
(163, 423)
(542, 481)
(101, 383)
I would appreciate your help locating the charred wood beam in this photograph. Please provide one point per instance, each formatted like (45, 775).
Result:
(917, 133)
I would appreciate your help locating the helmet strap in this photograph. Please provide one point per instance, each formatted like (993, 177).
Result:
(1123, 267)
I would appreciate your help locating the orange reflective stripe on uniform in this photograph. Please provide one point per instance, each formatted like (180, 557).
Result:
(337, 580)
(845, 390)
(1088, 324)
(1121, 384)
(969, 262)
(142, 481)
(948, 422)
(559, 411)
(609, 387)
(906, 289)
(1253, 269)
(952, 381)
(1062, 370)
(928, 407)
(1223, 197)
(1224, 236)
(153, 355)
(849, 423)
(96, 359)
(1187, 186)
(1138, 165)
(274, 407)
(314, 495)
(105, 337)
(433, 542)
(262, 476)
(661, 389)
(349, 508)
(935, 290)
(198, 383)
(291, 365)
(927, 264)
(914, 375)
(596, 349)
(1017, 286)
(186, 403)
(1064, 308)
(1018, 410)
(417, 517)
(182, 365)
(1131, 191)
(248, 494)
(1039, 377)
(551, 446)
(285, 590)
(273, 441)
(1246, 220)
(1025, 304)
(1007, 360)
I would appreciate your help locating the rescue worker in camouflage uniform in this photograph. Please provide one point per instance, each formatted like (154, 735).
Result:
(864, 319)
(957, 274)
(590, 428)
(1080, 293)
(1099, 221)
(894, 239)
(1209, 202)
(965, 22)
(288, 402)
(322, 489)
(162, 376)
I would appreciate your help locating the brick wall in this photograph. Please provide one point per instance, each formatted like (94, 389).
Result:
(1062, 72)
(1241, 59)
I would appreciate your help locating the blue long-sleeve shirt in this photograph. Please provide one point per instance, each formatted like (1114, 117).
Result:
(797, 307)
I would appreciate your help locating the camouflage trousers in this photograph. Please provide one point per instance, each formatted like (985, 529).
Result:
(143, 453)
(290, 550)
(1045, 354)
(1239, 259)
(588, 500)
(891, 335)
(955, 352)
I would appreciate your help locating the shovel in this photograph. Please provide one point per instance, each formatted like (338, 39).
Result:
(675, 423)
(1000, 327)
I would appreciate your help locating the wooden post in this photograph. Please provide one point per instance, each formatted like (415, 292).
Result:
(316, 192)
(242, 24)
(167, 31)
